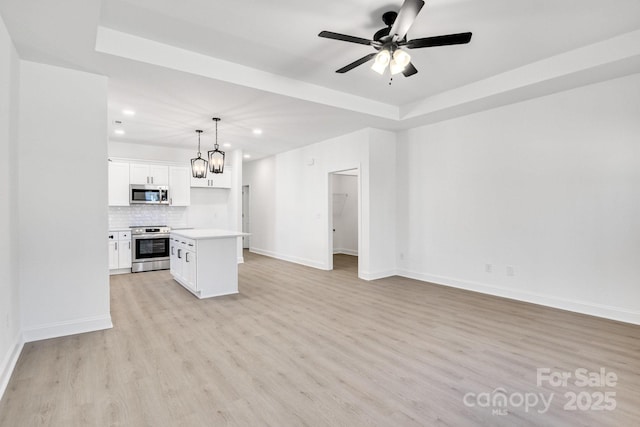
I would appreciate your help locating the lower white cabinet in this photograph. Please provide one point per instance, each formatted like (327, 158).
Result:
(183, 262)
(205, 262)
(119, 252)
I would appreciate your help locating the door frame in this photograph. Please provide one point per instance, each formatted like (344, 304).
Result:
(329, 261)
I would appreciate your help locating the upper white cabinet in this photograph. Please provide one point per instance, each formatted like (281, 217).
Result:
(214, 180)
(148, 174)
(118, 184)
(179, 186)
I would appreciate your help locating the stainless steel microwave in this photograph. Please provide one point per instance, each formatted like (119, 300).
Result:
(148, 194)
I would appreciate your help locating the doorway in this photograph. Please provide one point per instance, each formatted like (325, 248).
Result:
(246, 224)
(344, 223)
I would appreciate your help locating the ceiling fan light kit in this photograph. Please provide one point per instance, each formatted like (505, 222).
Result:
(381, 61)
(388, 41)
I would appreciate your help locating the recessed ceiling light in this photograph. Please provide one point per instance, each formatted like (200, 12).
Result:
(247, 156)
(257, 131)
(226, 145)
(119, 131)
(128, 112)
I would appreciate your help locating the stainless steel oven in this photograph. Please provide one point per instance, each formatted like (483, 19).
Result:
(150, 248)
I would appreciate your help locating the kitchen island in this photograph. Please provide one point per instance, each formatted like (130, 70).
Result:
(204, 261)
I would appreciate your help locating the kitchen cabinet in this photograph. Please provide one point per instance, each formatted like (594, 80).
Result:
(179, 186)
(118, 184)
(205, 261)
(182, 261)
(151, 174)
(214, 180)
(119, 252)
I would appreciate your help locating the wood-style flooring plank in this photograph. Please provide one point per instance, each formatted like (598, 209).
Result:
(305, 347)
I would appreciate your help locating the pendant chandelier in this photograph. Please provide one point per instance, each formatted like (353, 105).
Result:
(216, 157)
(199, 165)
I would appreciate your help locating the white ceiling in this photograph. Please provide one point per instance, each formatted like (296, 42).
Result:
(261, 65)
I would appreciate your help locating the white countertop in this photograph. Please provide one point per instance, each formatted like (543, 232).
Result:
(207, 233)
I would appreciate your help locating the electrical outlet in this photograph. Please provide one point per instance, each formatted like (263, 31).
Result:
(488, 268)
(510, 271)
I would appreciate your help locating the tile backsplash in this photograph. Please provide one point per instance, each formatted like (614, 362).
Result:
(127, 216)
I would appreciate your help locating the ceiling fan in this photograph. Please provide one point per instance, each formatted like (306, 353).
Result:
(389, 41)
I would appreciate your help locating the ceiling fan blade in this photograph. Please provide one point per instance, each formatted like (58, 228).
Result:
(354, 64)
(345, 38)
(449, 39)
(407, 14)
(409, 70)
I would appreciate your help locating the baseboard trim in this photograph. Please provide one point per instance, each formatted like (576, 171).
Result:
(120, 271)
(583, 307)
(71, 327)
(346, 252)
(9, 363)
(377, 275)
(294, 259)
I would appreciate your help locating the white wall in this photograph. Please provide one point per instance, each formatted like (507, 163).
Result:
(210, 208)
(547, 188)
(345, 214)
(290, 201)
(62, 193)
(10, 340)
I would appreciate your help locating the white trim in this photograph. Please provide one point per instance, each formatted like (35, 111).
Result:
(352, 252)
(140, 49)
(9, 363)
(598, 310)
(70, 327)
(293, 259)
(240, 260)
(377, 275)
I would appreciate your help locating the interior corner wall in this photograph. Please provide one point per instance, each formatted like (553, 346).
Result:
(382, 209)
(62, 195)
(10, 327)
(234, 205)
(536, 201)
(290, 200)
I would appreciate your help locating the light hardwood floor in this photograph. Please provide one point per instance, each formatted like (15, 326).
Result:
(304, 347)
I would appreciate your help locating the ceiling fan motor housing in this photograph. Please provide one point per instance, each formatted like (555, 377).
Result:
(388, 18)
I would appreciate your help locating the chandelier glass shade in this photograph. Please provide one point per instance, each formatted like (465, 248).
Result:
(216, 157)
(199, 165)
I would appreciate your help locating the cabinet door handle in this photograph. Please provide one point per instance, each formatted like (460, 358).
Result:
(152, 180)
(116, 246)
(179, 256)
(172, 250)
(129, 245)
(186, 257)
